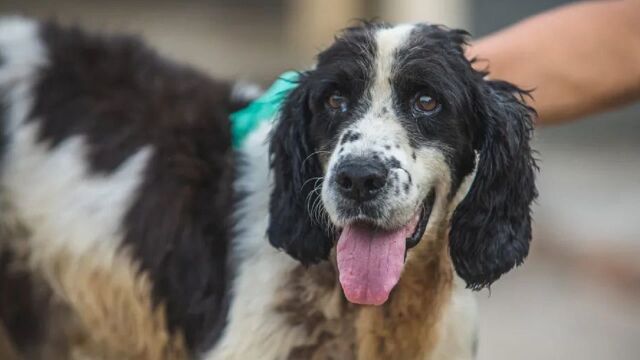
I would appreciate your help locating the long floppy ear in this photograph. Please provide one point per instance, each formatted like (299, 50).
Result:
(296, 171)
(491, 227)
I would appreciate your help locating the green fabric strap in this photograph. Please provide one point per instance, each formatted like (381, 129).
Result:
(262, 109)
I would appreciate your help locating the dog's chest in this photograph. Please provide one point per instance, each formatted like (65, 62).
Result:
(282, 310)
(311, 301)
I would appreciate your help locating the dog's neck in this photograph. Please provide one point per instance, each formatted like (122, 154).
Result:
(405, 327)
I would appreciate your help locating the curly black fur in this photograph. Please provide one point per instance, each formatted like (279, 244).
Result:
(291, 225)
(491, 227)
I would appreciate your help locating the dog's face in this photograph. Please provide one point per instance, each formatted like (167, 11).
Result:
(396, 133)
(374, 144)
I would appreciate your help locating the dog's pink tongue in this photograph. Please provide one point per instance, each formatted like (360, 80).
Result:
(370, 261)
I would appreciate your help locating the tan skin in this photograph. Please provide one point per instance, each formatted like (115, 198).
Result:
(581, 59)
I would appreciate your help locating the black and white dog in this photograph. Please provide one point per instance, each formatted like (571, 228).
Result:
(337, 231)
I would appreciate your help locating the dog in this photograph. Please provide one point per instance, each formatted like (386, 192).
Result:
(394, 180)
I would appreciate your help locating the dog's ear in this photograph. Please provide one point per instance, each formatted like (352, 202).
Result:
(491, 227)
(296, 171)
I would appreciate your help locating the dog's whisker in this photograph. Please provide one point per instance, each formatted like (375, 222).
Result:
(312, 192)
(316, 208)
(316, 190)
(313, 154)
(318, 212)
(317, 178)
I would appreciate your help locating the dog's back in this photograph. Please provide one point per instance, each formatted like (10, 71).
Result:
(116, 166)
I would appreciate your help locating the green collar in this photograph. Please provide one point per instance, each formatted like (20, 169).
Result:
(262, 109)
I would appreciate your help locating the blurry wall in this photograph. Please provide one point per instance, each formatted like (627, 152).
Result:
(250, 39)
(242, 38)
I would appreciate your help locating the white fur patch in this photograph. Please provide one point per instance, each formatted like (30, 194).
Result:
(21, 52)
(21, 55)
(245, 91)
(255, 330)
(388, 41)
(65, 207)
(460, 326)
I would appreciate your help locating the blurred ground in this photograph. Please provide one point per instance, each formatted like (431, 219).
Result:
(550, 310)
(578, 295)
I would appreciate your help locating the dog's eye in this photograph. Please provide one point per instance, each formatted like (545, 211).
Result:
(426, 104)
(336, 101)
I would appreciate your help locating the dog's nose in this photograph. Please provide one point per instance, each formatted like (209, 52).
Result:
(361, 180)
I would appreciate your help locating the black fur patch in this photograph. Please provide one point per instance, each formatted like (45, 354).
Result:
(394, 163)
(350, 136)
(21, 307)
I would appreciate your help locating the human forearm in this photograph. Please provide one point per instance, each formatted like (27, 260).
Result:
(580, 59)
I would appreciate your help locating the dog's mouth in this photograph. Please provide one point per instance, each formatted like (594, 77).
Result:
(371, 259)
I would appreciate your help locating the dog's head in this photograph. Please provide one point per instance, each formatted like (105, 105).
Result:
(383, 137)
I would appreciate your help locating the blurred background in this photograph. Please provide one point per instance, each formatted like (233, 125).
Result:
(578, 295)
